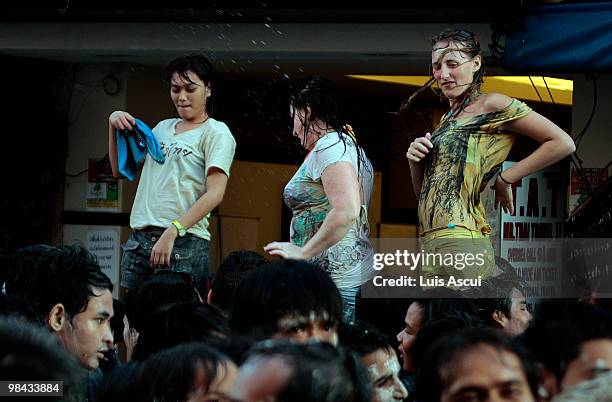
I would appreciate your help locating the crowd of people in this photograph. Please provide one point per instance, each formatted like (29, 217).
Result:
(293, 326)
(275, 331)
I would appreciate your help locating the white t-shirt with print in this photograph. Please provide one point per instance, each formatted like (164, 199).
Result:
(349, 262)
(167, 191)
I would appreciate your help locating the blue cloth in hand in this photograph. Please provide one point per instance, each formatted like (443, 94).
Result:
(133, 146)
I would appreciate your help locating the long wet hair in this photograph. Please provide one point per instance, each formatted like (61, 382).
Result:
(321, 95)
(469, 45)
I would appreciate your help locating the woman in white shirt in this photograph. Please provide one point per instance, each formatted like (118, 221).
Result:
(329, 194)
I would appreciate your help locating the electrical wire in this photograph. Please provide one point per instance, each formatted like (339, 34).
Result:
(549, 93)
(575, 158)
(590, 119)
(104, 158)
(536, 89)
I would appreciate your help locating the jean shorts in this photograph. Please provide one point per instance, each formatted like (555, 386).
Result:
(190, 254)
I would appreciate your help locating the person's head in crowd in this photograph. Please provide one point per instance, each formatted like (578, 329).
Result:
(378, 357)
(71, 294)
(572, 342)
(122, 384)
(433, 304)
(384, 313)
(502, 304)
(476, 365)
(117, 322)
(283, 371)
(18, 308)
(174, 324)
(28, 353)
(111, 358)
(230, 273)
(438, 327)
(188, 372)
(235, 346)
(287, 299)
(164, 288)
(596, 390)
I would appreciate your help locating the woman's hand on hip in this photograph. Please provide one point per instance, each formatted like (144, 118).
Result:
(419, 148)
(285, 250)
(503, 195)
(162, 250)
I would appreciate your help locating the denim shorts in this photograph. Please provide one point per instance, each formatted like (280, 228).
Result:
(190, 254)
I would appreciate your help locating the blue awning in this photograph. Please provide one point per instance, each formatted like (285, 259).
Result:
(563, 38)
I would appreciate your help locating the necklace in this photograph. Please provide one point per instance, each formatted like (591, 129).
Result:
(186, 123)
(462, 106)
(200, 122)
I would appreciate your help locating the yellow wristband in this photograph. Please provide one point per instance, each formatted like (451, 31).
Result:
(180, 228)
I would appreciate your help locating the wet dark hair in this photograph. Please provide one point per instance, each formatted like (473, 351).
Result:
(470, 46)
(122, 384)
(560, 328)
(20, 309)
(165, 287)
(494, 295)
(199, 65)
(320, 372)
(168, 375)
(447, 350)
(363, 338)
(193, 62)
(437, 327)
(321, 95)
(279, 288)
(173, 324)
(28, 353)
(45, 276)
(439, 301)
(230, 273)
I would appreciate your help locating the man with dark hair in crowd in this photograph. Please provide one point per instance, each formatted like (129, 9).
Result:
(290, 299)
(177, 323)
(282, 371)
(70, 293)
(379, 359)
(476, 365)
(433, 304)
(230, 273)
(164, 288)
(27, 353)
(438, 327)
(572, 342)
(72, 296)
(502, 305)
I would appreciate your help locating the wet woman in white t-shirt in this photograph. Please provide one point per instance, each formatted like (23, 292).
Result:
(329, 194)
(169, 218)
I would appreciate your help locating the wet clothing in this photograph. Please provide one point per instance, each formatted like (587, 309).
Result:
(166, 192)
(467, 152)
(349, 262)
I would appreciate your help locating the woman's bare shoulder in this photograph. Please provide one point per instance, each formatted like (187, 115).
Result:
(494, 102)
